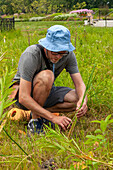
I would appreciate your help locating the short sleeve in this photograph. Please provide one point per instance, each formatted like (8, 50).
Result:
(71, 65)
(28, 66)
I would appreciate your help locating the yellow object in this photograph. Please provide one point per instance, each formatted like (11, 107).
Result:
(56, 114)
(22, 132)
(19, 114)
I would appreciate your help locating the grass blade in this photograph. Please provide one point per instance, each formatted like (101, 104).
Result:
(74, 120)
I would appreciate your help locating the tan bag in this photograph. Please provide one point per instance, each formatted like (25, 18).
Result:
(19, 114)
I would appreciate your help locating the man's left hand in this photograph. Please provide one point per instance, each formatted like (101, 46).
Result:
(82, 111)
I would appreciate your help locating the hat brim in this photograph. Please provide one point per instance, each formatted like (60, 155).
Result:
(56, 47)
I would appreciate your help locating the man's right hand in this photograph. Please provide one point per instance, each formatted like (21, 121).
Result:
(62, 121)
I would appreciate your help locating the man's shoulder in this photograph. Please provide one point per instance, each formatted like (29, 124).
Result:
(31, 52)
(32, 49)
(71, 55)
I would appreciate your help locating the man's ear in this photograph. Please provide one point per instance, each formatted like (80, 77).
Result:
(45, 50)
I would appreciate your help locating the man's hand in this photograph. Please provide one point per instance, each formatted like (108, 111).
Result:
(82, 111)
(62, 121)
(80, 90)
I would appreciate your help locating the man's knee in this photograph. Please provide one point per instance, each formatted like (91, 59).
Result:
(71, 97)
(44, 78)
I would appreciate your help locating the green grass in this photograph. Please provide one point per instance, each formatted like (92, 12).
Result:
(94, 46)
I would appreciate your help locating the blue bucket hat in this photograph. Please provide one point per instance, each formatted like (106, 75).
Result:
(57, 39)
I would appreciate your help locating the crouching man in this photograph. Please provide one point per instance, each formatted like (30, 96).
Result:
(38, 67)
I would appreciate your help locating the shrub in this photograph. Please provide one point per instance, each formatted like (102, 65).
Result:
(64, 17)
(95, 9)
(56, 14)
(111, 15)
(36, 18)
(45, 18)
(21, 19)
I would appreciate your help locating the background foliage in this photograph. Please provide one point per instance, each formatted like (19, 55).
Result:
(49, 6)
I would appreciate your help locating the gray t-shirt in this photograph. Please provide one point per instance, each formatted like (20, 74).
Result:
(32, 62)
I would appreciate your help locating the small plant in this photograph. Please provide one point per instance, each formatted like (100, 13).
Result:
(101, 141)
(60, 144)
(5, 102)
(101, 133)
(5, 83)
(28, 35)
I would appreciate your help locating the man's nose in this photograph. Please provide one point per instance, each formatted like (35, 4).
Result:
(59, 56)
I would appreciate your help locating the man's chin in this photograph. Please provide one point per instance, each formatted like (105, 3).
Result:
(54, 62)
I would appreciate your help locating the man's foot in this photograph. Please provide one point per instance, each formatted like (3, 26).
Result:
(48, 123)
(36, 125)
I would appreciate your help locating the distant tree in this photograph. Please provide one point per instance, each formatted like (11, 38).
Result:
(3, 9)
(17, 6)
(49, 6)
(35, 6)
(80, 5)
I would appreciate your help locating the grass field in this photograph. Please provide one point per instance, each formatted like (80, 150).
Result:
(91, 144)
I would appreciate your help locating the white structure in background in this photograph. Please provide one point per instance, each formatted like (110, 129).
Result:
(103, 23)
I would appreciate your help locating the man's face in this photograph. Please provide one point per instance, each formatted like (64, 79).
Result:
(54, 57)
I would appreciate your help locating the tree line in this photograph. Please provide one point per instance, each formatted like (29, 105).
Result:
(49, 6)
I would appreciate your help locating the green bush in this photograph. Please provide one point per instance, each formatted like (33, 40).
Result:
(50, 17)
(111, 10)
(111, 15)
(56, 14)
(36, 18)
(64, 17)
(21, 19)
(45, 18)
(95, 9)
